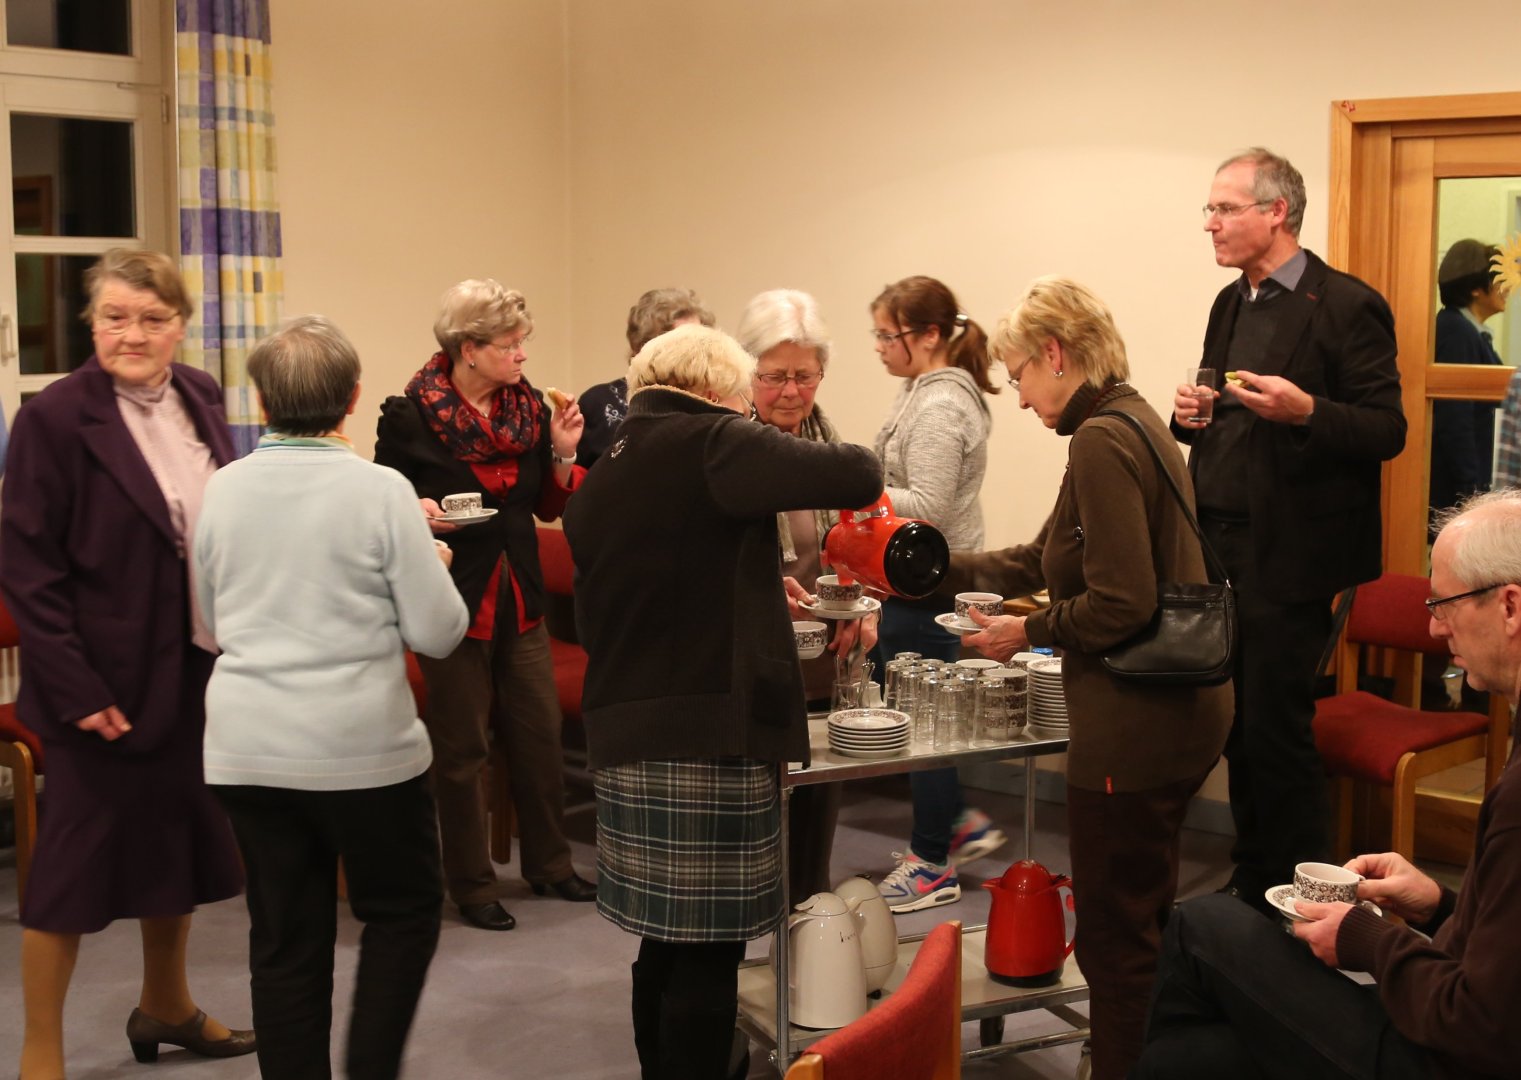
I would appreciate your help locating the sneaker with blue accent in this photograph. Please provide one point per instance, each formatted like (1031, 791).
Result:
(973, 836)
(915, 884)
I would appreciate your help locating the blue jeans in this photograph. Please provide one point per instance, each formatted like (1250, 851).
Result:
(910, 627)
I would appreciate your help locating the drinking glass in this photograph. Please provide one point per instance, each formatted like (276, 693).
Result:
(924, 708)
(847, 694)
(953, 709)
(1202, 379)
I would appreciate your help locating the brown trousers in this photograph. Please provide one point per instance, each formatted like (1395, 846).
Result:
(503, 689)
(1124, 877)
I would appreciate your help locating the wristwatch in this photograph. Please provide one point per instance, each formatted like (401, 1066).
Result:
(561, 460)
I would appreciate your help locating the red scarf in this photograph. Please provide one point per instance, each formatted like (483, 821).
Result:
(512, 429)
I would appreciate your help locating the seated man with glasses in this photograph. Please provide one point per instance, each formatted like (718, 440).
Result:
(1235, 997)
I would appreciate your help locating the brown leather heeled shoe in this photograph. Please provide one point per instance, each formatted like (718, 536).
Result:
(145, 1033)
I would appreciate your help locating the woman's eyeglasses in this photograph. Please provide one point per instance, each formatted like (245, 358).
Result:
(775, 380)
(153, 323)
(884, 338)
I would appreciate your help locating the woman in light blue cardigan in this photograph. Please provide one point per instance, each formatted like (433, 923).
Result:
(316, 570)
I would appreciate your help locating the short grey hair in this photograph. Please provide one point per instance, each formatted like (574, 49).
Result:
(780, 316)
(1275, 178)
(1487, 550)
(305, 373)
(478, 310)
(694, 358)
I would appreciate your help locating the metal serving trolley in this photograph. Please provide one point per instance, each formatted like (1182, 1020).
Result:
(763, 999)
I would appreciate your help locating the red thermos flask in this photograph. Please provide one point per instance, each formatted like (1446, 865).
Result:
(899, 556)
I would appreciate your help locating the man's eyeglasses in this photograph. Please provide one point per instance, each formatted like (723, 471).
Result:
(1014, 378)
(775, 380)
(1435, 605)
(884, 338)
(152, 322)
(1229, 210)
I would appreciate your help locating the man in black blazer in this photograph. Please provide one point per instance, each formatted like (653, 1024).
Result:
(1287, 478)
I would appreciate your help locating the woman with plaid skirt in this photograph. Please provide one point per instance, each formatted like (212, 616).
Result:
(693, 694)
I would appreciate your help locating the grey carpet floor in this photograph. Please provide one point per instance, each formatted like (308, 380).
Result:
(548, 999)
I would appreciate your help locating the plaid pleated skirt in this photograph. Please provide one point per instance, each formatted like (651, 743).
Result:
(689, 850)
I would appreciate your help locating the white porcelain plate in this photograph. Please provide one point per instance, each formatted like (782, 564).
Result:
(485, 514)
(1282, 898)
(864, 606)
(869, 719)
(870, 755)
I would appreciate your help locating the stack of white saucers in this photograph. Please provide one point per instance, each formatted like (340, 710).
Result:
(1048, 704)
(869, 733)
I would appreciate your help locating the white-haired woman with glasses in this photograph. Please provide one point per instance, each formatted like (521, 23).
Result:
(316, 571)
(470, 422)
(784, 331)
(693, 695)
(102, 491)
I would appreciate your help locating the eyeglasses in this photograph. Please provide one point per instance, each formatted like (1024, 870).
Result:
(153, 323)
(1229, 210)
(884, 338)
(754, 412)
(1014, 378)
(509, 348)
(775, 380)
(1436, 603)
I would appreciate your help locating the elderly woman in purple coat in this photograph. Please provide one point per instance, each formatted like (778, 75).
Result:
(102, 489)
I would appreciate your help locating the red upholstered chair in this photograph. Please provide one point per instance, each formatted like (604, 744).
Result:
(569, 657)
(21, 753)
(1365, 738)
(913, 1034)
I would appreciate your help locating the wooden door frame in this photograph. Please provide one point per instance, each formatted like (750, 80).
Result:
(1371, 140)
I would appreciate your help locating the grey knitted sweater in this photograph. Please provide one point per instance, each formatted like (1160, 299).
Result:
(934, 451)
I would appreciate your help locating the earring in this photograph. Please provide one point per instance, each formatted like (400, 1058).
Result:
(472, 365)
(1059, 374)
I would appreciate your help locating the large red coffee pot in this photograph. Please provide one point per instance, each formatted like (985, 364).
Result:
(899, 556)
(1027, 943)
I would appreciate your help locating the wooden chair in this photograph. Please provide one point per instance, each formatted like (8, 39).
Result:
(1366, 738)
(21, 753)
(913, 1034)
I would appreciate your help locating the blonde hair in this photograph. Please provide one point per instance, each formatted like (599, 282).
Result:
(478, 310)
(148, 270)
(1061, 309)
(694, 358)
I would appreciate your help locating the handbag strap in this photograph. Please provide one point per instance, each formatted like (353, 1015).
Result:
(1210, 559)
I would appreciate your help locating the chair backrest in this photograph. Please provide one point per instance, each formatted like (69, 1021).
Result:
(555, 561)
(10, 634)
(1390, 613)
(915, 1034)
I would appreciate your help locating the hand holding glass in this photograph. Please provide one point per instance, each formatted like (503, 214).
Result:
(1203, 381)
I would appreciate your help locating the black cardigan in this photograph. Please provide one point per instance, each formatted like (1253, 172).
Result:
(678, 595)
(406, 443)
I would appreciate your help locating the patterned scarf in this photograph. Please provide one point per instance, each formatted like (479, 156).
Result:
(512, 430)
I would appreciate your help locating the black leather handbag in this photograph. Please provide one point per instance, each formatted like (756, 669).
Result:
(1191, 640)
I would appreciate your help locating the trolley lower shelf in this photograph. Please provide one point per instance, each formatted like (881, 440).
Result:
(982, 999)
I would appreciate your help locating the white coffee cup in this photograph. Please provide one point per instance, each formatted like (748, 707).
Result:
(462, 505)
(1325, 883)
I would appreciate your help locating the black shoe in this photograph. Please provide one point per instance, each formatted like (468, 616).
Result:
(488, 916)
(575, 888)
(145, 1033)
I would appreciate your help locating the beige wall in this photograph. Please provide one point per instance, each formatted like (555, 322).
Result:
(419, 145)
(586, 150)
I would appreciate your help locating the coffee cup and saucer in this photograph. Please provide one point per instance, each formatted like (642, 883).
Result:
(1320, 883)
(464, 509)
(832, 599)
(959, 621)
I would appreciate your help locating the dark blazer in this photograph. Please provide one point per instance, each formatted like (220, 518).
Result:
(1314, 498)
(405, 442)
(1462, 432)
(90, 568)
